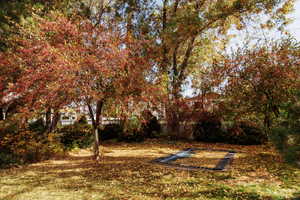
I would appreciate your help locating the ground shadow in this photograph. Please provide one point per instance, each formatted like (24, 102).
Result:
(132, 175)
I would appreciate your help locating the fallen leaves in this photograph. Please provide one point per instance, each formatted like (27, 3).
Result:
(125, 172)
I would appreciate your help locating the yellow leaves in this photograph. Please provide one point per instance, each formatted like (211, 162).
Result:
(131, 176)
(287, 7)
(268, 25)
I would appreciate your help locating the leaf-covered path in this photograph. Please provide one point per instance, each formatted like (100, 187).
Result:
(126, 173)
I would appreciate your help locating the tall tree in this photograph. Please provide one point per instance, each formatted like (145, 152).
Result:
(189, 28)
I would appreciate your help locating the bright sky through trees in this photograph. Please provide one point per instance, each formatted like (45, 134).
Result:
(293, 28)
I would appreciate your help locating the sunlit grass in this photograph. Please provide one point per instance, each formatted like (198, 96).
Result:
(126, 172)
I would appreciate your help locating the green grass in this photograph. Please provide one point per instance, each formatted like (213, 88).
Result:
(126, 173)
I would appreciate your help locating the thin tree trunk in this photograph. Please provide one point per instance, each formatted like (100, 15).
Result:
(267, 123)
(1, 114)
(95, 123)
(48, 119)
(165, 60)
(54, 121)
(129, 25)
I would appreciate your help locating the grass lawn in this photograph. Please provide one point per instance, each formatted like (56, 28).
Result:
(126, 173)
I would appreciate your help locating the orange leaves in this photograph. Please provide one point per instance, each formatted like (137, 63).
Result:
(68, 61)
(261, 79)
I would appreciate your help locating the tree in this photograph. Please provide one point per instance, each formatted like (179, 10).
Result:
(261, 80)
(190, 29)
(13, 15)
(66, 61)
(8, 75)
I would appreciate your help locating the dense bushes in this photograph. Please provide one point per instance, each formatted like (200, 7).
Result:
(209, 128)
(21, 145)
(246, 133)
(287, 142)
(78, 134)
(151, 128)
(121, 132)
(286, 136)
(111, 131)
(133, 130)
(37, 126)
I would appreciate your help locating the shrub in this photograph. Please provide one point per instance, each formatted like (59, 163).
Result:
(19, 146)
(209, 129)
(133, 136)
(82, 120)
(8, 126)
(111, 131)
(286, 136)
(287, 142)
(7, 159)
(132, 130)
(37, 126)
(246, 133)
(151, 128)
(78, 134)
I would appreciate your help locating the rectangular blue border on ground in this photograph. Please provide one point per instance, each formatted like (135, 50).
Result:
(185, 153)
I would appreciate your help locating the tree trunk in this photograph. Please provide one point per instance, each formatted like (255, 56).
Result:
(11, 109)
(54, 121)
(267, 123)
(173, 121)
(1, 114)
(95, 123)
(48, 119)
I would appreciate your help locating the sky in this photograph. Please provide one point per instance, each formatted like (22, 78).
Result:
(256, 34)
(294, 28)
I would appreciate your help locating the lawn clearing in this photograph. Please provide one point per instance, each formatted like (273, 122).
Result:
(126, 172)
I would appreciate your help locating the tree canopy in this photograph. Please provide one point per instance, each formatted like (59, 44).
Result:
(54, 53)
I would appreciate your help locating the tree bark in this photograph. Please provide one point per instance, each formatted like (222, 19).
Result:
(11, 109)
(95, 122)
(1, 114)
(178, 77)
(48, 119)
(165, 60)
(54, 121)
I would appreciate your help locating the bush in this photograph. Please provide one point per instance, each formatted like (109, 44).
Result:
(287, 142)
(18, 146)
(132, 130)
(286, 136)
(7, 159)
(111, 131)
(152, 128)
(246, 133)
(82, 120)
(78, 135)
(37, 126)
(133, 136)
(209, 129)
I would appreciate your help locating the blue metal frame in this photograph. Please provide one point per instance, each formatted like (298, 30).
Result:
(185, 153)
